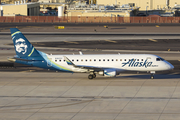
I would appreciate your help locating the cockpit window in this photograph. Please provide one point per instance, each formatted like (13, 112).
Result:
(159, 59)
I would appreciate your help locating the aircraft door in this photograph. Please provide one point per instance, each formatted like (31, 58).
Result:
(148, 62)
(148, 59)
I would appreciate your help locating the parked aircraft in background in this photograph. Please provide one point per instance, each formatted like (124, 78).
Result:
(106, 65)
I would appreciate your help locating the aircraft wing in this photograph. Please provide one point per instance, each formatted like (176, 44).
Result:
(69, 62)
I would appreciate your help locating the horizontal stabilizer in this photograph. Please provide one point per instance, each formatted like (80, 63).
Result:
(15, 58)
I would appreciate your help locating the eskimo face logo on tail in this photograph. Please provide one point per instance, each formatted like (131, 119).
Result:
(21, 46)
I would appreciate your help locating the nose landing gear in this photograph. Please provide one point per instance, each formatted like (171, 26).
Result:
(152, 74)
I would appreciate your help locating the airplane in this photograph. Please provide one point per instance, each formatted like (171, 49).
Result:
(108, 65)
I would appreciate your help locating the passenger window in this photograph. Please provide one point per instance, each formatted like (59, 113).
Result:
(124, 59)
(112, 60)
(77, 60)
(103, 59)
(72, 60)
(94, 59)
(86, 60)
(141, 59)
(137, 59)
(120, 59)
(116, 59)
(107, 59)
(82, 60)
(64, 60)
(99, 59)
(59, 60)
(90, 60)
(55, 60)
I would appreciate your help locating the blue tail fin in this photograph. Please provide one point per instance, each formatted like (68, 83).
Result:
(22, 46)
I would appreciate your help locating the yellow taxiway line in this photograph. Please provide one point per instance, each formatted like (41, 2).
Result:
(111, 41)
(71, 42)
(153, 40)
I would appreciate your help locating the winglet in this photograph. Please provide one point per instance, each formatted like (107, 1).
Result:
(68, 61)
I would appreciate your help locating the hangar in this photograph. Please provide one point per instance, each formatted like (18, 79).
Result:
(143, 4)
(21, 9)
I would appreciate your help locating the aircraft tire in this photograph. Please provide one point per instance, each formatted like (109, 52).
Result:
(90, 77)
(152, 77)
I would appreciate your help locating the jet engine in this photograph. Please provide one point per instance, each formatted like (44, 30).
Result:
(108, 73)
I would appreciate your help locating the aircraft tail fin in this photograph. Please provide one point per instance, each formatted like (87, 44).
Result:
(22, 46)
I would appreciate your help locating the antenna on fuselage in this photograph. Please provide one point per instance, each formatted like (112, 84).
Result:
(80, 53)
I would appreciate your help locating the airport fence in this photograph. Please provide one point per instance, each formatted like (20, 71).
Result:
(78, 19)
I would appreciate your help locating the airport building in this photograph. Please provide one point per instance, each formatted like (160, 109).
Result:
(107, 8)
(104, 13)
(124, 8)
(21, 9)
(143, 4)
(80, 8)
(12, 1)
(52, 1)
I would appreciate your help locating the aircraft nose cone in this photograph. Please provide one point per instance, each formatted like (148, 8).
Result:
(170, 66)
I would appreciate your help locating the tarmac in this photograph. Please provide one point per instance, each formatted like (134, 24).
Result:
(28, 93)
(79, 28)
(64, 96)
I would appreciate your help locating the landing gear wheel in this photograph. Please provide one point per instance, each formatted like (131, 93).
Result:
(152, 77)
(94, 75)
(90, 77)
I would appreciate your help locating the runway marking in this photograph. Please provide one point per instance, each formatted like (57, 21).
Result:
(38, 44)
(33, 27)
(89, 97)
(131, 99)
(71, 42)
(111, 41)
(169, 100)
(153, 40)
(28, 71)
(50, 105)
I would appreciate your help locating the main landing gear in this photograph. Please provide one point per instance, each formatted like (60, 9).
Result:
(91, 76)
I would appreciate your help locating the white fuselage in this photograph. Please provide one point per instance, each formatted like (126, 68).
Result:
(120, 62)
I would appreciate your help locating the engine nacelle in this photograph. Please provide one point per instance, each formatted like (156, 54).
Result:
(108, 73)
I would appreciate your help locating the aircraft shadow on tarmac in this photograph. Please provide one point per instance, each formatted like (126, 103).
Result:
(142, 76)
(156, 76)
